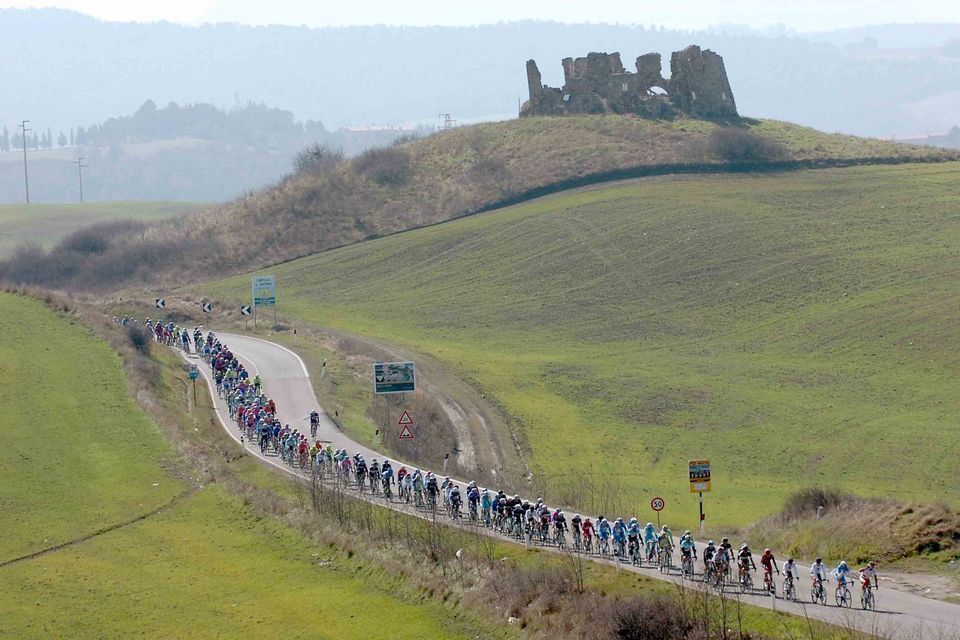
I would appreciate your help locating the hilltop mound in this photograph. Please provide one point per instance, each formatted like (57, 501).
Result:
(331, 202)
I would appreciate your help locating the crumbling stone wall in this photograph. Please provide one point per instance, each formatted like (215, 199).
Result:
(599, 83)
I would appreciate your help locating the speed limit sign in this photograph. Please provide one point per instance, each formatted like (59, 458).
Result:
(657, 504)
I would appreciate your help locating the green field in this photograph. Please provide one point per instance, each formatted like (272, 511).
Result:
(795, 328)
(80, 456)
(45, 224)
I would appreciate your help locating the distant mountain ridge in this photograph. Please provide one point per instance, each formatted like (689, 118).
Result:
(58, 68)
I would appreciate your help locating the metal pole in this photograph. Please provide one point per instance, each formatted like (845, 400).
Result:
(701, 513)
(26, 175)
(80, 166)
(194, 393)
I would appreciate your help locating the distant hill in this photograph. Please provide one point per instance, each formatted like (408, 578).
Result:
(331, 202)
(60, 69)
(195, 152)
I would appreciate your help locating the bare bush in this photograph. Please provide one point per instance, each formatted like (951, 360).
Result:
(804, 502)
(389, 166)
(140, 338)
(742, 145)
(317, 158)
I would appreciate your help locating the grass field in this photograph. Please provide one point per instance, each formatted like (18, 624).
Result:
(80, 456)
(45, 224)
(794, 328)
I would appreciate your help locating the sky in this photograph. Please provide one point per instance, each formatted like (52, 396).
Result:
(807, 15)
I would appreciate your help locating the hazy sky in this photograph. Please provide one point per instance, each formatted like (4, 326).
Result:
(808, 15)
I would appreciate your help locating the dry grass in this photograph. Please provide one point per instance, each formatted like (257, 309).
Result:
(859, 529)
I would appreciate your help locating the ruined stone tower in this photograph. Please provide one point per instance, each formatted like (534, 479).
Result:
(598, 83)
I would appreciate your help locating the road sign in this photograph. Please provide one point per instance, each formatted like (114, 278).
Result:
(194, 372)
(264, 291)
(160, 302)
(699, 476)
(394, 377)
(405, 419)
(207, 307)
(245, 310)
(405, 433)
(657, 504)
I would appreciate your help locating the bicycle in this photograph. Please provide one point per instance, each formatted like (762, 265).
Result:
(746, 580)
(603, 547)
(842, 596)
(620, 548)
(868, 601)
(686, 566)
(818, 593)
(634, 551)
(560, 539)
(666, 560)
(588, 544)
(789, 589)
(651, 550)
(768, 583)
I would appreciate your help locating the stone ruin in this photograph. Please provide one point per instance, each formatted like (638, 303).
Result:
(698, 87)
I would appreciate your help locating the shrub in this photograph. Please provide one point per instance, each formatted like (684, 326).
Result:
(805, 501)
(317, 158)
(140, 338)
(650, 618)
(390, 166)
(741, 145)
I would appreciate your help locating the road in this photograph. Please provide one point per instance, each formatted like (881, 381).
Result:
(286, 380)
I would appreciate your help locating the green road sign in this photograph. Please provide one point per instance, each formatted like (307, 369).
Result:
(394, 377)
(264, 291)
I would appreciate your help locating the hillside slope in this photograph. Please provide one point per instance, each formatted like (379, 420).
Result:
(794, 328)
(423, 182)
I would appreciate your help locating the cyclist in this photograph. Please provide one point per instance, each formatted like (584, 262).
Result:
(650, 540)
(666, 533)
(745, 558)
(486, 503)
(588, 533)
(575, 523)
(818, 572)
(688, 548)
(314, 423)
(386, 477)
(790, 574)
(559, 525)
(633, 540)
(769, 564)
(721, 561)
(840, 574)
(708, 554)
(619, 536)
(866, 573)
(454, 500)
(432, 488)
(603, 530)
(406, 487)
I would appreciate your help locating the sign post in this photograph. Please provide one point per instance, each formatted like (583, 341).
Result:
(264, 294)
(405, 422)
(657, 505)
(194, 374)
(700, 482)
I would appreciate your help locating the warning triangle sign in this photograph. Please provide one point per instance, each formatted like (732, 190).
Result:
(405, 433)
(405, 419)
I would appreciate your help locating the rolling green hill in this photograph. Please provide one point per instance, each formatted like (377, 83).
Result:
(795, 328)
(47, 224)
(331, 202)
(80, 457)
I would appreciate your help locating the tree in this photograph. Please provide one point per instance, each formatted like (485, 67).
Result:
(81, 137)
(48, 139)
(61, 140)
(35, 141)
(71, 136)
(5, 140)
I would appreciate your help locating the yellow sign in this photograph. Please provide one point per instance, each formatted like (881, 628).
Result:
(699, 476)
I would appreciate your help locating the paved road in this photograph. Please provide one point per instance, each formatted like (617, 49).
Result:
(286, 380)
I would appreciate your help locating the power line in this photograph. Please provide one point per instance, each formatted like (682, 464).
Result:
(26, 176)
(80, 168)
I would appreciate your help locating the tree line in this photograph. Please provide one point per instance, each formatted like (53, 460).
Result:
(254, 123)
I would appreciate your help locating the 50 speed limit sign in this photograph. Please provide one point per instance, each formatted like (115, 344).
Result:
(657, 504)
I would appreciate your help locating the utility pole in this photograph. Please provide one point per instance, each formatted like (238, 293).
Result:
(26, 176)
(80, 168)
